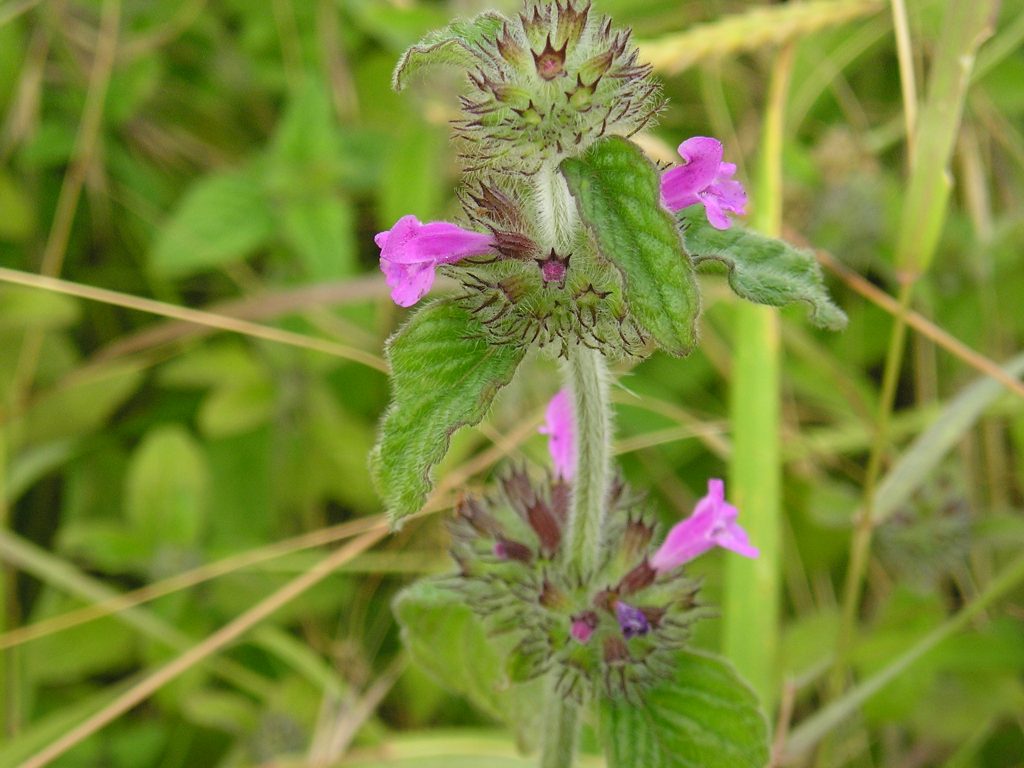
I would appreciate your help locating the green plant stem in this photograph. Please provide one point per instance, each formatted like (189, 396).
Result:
(752, 587)
(587, 375)
(561, 728)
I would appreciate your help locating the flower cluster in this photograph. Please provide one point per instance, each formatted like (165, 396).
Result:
(618, 629)
(411, 251)
(545, 86)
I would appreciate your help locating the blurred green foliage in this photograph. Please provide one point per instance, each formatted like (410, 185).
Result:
(250, 150)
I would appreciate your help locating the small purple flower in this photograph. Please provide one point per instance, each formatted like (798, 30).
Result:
(632, 620)
(713, 523)
(561, 434)
(410, 251)
(705, 179)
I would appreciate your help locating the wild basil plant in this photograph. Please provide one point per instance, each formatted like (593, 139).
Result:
(565, 604)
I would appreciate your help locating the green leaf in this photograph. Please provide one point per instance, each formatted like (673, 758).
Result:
(76, 653)
(166, 488)
(31, 308)
(414, 176)
(315, 219)
(444, 376)
(236, 408)
(319, 228)
(448, 641)
(618, 195)
(222, 219)
(762, 269)
(452, 45)
(77, 409)
(707, 717)
(18, 220)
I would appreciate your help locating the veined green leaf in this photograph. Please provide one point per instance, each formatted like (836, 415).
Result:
(618, 195)
(451, 45)
(707, 717)
(446, 639)
(762, 269)
(444, 376)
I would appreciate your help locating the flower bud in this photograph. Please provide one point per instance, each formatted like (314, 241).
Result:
(507, 549)
(550, 61)
(595, 68)
(637, 579)
(583, 626)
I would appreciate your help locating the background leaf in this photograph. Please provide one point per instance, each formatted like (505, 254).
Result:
(222, 219)
(617, 192)
(706, 717)
(166, 488)
(762, 269)
(444, 376)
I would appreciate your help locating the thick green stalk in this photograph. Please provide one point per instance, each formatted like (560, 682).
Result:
(587, 376)
(561, 728)
(752, 587)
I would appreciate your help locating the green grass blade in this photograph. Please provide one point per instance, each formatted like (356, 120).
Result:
(752, 587)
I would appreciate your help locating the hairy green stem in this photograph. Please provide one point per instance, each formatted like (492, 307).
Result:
(556, 208)
(561, 727)
(587, 375)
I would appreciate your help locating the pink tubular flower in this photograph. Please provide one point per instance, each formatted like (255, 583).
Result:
(713, 523)
(705, 179)
(410, 251)
(561, 435)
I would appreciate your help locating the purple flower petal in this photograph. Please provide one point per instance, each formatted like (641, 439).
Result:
(410, 251)
(561, 434)
(713, 523)
(704, 179)
(632, 620)
(703, 156)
